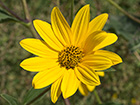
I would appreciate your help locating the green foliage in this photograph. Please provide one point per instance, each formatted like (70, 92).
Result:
(11, 100)
(5, 17)
(111, 103)
(35, 94)
(107, 70)
(128, 29)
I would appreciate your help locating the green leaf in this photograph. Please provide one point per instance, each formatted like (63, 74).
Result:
(111, 103)
(11, 100)
(35, 94)
(128, 29)
(107, 70)
(5, 17)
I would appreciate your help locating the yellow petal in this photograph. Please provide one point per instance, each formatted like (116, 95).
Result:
(56, 90)
(91, 88)
(70, 84)
(45, 31)
(101, 74)
(83, 89)
(97, 23)
(98, 40)
(36, 64)
(87, 75)
(80, 25)
(38, 47)
(47, 77)
(60, 26)
(97, 62)
(112, 56)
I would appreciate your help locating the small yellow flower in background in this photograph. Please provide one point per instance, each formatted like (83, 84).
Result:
(85, 89)
(133, 101)
(114, 96)
(69, 56)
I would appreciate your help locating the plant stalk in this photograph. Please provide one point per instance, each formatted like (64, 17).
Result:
(32, 30)
(72, 11)
(97, 97)
(58, 3)
(123, 11)
(26, 11)
(11, 12)
(28, 18)
(67, 101)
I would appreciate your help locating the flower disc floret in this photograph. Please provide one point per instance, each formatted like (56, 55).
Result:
(70, 57)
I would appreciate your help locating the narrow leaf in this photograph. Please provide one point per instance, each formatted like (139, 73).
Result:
(35, 94)
(107, 70)
(11, 100)
(5, 17)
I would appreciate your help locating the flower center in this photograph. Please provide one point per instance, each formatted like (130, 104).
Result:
(70, 57)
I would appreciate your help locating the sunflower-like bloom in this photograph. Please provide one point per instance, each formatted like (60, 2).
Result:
(68, 55)
(85, 89)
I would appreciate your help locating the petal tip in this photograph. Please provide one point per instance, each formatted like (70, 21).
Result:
(21, 42)
(113, 36)
(87, 6)
(35, 86)
(99, 83)
(106, 15)
(64, 96)
(120, 60)
(54, 99)
(21, 64)
(55, 9)
(35, 21)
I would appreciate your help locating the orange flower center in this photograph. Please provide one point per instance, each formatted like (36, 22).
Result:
(70, 57)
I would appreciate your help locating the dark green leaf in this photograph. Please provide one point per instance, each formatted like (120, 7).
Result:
(35, 94)
(11, 100)
(125, 27)
(5, 17)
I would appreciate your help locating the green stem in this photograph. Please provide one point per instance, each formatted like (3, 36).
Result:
(123, 11)
(26, 11)
(72, 10)
(11, 12)
(32, 30)
(28, 18)
(58, 3)
(97, 97)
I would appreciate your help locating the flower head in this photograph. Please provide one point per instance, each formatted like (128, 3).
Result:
(69, 56)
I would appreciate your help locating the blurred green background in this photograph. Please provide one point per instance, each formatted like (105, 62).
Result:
(122, 85)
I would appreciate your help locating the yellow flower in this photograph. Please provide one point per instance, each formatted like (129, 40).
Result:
(84, 89)
(68, 56)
